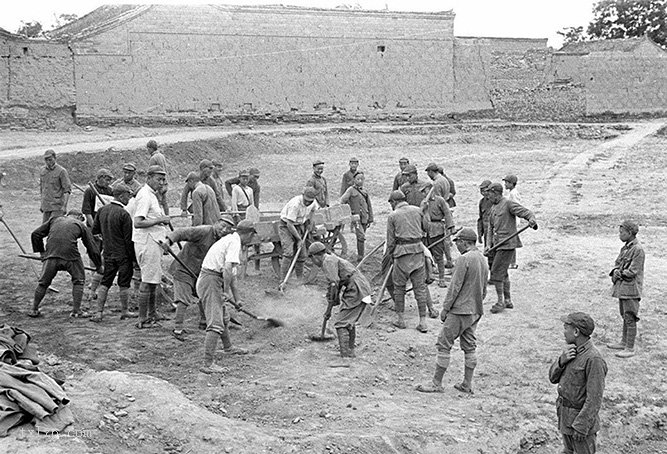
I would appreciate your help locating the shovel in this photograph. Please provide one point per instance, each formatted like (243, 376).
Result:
(500, 243)
(322, 337)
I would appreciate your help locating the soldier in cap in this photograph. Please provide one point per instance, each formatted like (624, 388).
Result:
(485, 205)
(62, 254)
(216, 285)
(216, 175)
(318, 182)
(400, 178)
(461, 312)
(415, 191)
(360, 205)
(96, 195)
(440, 183)
(149, 228)
(502, 225)
(580, 374)
(205, 209)
(510, 184)
(294, 221)
(129, 180)
(627, 278)
(452, 187)
(253, 183)
(242, 195)
(158, 159)
(54, 187)
(349, 289)
(198, 240)
(205, 171)
(438, 225)
(404, 245)
(114, 223)
(348, 177)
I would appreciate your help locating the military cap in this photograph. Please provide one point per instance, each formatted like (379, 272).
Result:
(409, 169)
(404, 160)
(485, 184)
(495, 187)
(129, 166)
(396, 196)
(192, 176)
(316, 248)
(227, 218)
(121, 188)
(245, 226)
(466, 234)
(204, 163)
(156, 170)
(104, 173)
(254, 171)
(244, 173)
(631, 227)
(433, 167)
(354, 160)
(74, 212)
(216, 163)
(317, 162)
(511, 179)
(310, 192)
(580, 320)
(49, 152)
(152, 144)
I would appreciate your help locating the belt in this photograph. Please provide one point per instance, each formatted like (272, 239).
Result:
(211, 272)
(569, 404)
(408, 240)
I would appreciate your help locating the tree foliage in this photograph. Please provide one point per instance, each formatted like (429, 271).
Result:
(64, 19)
(572, 34)
(628, 19)
(32, 29)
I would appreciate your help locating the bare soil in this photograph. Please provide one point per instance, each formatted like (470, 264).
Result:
(581, 180)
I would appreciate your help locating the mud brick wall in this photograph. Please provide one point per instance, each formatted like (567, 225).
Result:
(216, 60)
(36, 83)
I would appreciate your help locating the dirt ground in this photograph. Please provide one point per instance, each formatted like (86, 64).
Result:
(140, 391)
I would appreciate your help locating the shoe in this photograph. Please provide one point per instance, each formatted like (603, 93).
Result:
(449, 265)
(399, 324)
(509, 305)
(34, 313)
(128, 314)
(146, 324)
(442, 283)
(513, 266)
(618, 346)
(464, 389)
(627, 353)
(97, 318)
(430, 388)
(213, 369)
(422, 328)
(79, 314)
(159, 317)
(496, 308)
(179, 334)
(202, 326)
(432, 313)
(235, 351)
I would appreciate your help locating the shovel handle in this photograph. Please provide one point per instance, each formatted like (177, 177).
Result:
(496, 246)
(180, 262)
(291, 267)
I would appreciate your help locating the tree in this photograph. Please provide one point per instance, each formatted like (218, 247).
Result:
(628, 19)
(64, 19)
(32, 29)
(572, 34)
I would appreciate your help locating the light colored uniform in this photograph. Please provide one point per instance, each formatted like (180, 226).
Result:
(242, 197)
(148, 252)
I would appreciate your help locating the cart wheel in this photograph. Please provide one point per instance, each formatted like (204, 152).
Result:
(340, 246)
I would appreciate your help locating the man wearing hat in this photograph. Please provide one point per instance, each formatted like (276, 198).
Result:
(502, 225)
(510, 184)
(580, 374)
(129, 180)
(440, 183)
(360, 205)
(348, 177)
(404, 246)
(114, 223)
(242, 195)
(205, 209)
(205, 171)
(62, 254)
(318, 182)
(253, 183)
(461, 311)
(347, 288)
(485, 205)
(158, 159)
(294, 220)
(54, 187)
(400, 178)
(627, 277)
(216, 285)
(415, 191)
(438, 225)
(198, 240)
(149, 227)
(216, 174)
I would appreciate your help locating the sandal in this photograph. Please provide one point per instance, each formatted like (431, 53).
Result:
(34, 313)
(464, 389)
(431, 388)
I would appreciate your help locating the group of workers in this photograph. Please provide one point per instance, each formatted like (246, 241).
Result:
(129, 223)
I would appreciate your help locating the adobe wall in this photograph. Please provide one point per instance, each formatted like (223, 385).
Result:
(212, 60)
(37, 83)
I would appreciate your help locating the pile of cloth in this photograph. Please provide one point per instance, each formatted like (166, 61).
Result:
(26, 393)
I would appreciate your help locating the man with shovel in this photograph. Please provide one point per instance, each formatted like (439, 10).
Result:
(348, 288)
(504, 242)
(216, 286)
(198, 240)
(294, 220)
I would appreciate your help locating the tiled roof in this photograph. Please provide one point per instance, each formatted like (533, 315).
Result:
(103, 18)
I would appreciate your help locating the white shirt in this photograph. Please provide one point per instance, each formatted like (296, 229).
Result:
(226, 250)
(296, 211)
(514, 195)
(148, 207)
(241, 196)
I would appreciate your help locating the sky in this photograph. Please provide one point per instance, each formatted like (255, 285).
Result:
(494, 18)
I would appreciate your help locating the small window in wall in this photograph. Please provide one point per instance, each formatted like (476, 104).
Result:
(381, 48)
(25, 51)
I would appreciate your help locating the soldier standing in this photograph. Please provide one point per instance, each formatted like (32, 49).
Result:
(318, 182)
(54, 187)
(158, 159)
(129, 180)
(348, 177)
(205, 209)
(360, 205)
(414, 190)
(400, 178)
(242, 195)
